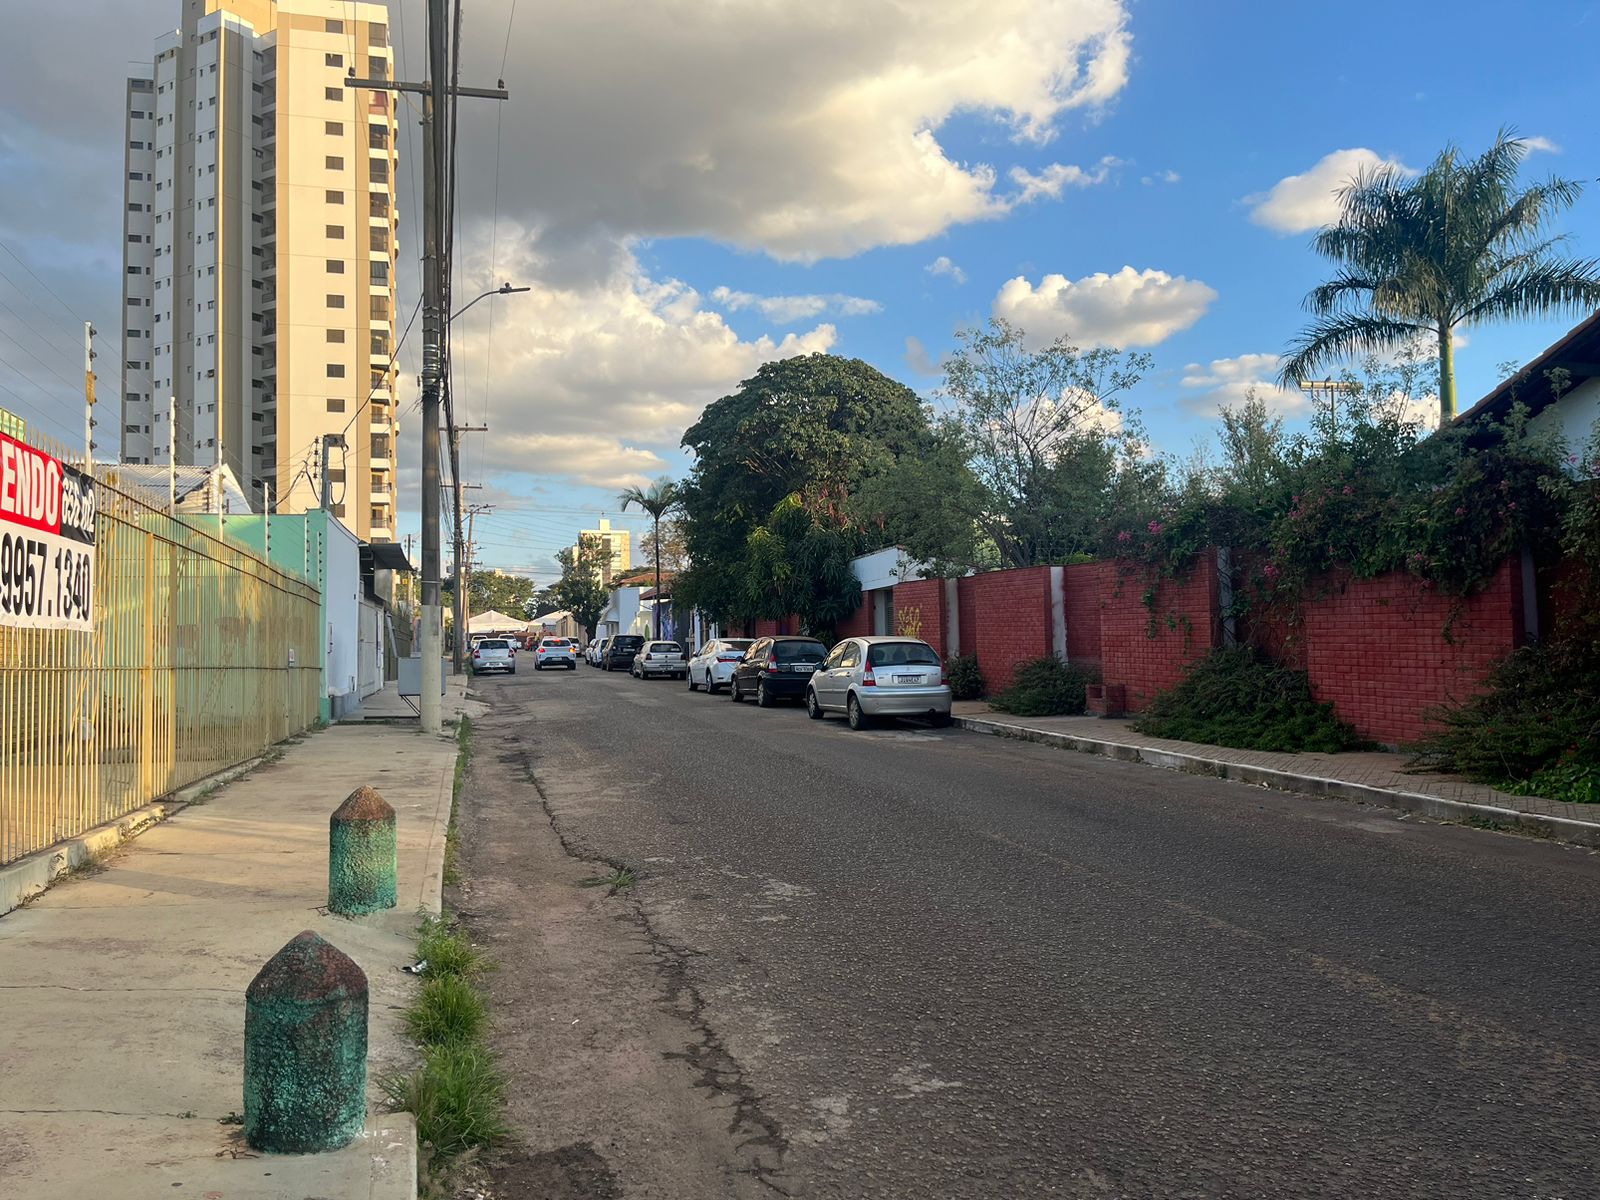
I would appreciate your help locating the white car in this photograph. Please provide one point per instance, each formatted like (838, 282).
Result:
(555, 652)
(713, 666)
(869, 677)
(659, 658)
(493, 654)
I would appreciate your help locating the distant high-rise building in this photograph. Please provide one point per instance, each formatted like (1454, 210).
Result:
(259, 252)
(616, 549)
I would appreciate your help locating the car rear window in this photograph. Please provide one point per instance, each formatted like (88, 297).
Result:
(737, 643)
(555, 641)
(628, 643)
(494, 644)
(799, 651)
(666, 647)
(902, 654)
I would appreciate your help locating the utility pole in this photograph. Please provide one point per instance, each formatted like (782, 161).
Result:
(458, 657)
(464, 575)
(329, 440)
(88, 398)
(436, 93)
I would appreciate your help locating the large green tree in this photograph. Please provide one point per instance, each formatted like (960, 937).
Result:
(579, 590)
(1458, 245)
(785, 454)
(1033, 455)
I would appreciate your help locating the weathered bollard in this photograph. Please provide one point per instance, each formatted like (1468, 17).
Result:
(362, 856)
(305, 1049)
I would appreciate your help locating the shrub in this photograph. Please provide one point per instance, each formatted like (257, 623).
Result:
(1238, 698)
(1535, 729)
(456, 1098)
(448, 1011)
(966, 681)
(1044, 687)
(447, 951)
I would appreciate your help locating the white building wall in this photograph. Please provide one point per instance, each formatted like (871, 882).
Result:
(1573, 418)
(344, 605)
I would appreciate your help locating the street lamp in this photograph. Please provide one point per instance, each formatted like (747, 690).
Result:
(505, 289)
(458, 648)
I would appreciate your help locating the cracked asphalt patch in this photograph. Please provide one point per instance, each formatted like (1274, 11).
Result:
(949, 966)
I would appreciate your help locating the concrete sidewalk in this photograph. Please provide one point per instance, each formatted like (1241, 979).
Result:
(121, 1040)
(1364, 777)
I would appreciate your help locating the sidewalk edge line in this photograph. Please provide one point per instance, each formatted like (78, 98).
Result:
(34, 874)
(1565, 829)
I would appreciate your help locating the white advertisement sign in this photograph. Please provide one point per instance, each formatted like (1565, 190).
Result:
(47, 512)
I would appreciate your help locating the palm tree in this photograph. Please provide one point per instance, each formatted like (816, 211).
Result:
(1458, 245)
(658, 499)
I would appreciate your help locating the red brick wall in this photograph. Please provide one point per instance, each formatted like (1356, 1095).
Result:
(1376, 647)
(858, 623)
(1009, 613)
(1080, 585)
(1129, 655)
(967, 614)
(919, 611)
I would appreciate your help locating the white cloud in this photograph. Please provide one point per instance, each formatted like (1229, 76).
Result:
(1055, 178)
(1298, 203)
(943, 266)
(620, 122)
(596, 383)
(919, 360)
(1538, 144)
(784, 310)
(1130, 308)
(1226, 382)
(1160, 177)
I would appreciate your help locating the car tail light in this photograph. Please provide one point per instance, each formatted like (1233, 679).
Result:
(866, 678)
(772, 664)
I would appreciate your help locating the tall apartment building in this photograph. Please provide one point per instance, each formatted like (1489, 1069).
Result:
(616, 549)
(259, 253)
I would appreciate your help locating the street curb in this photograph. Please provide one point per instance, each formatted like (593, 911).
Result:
(33, 874)
(1579, 833)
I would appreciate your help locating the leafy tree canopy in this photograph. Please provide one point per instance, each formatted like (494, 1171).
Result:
(776, 465)
(579, 589)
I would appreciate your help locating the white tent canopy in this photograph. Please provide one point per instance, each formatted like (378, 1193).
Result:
(494, 621)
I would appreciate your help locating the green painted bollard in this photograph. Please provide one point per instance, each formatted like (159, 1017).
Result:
(305, 1050)
(362, 857)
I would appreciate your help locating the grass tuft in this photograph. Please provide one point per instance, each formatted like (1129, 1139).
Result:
(448, 1011)
(448, 952)
(620, 880)
(457, 1096)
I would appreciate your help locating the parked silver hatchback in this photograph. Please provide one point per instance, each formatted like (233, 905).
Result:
(868, 677)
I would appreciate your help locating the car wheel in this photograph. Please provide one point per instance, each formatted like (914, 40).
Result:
(734, 693)
(513, 671)
(763, 697)
(813, 709)
(858, 719)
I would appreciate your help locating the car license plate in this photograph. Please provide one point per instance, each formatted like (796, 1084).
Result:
(908, 678)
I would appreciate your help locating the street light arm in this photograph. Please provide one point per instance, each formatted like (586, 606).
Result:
(505, 289)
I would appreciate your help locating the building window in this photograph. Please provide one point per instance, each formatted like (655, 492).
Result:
(379, 273)
(335, 370)
(335, 266)
(135, 145)
(335, 335)
(333, 93)
(333, 197)
(380, 308)
(380, 343)
(377, 35)
(136, 176)
(333, 60)
(335, 301)
(334, 163)
(379, 171)
(336, 231)
(335, 405)
(332, 26)
(133, 270)
(379, 239)
(333, 128)
(134, 237)
(377, 68)
(338, 510)
(377, 137)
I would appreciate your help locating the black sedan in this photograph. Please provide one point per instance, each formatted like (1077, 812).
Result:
(776, 668)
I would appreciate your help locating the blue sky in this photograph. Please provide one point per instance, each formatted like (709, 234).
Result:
(814, 162)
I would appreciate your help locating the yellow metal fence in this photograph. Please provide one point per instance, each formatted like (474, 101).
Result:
(187, 671)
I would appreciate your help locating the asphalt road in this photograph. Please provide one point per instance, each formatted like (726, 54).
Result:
(942, 964)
